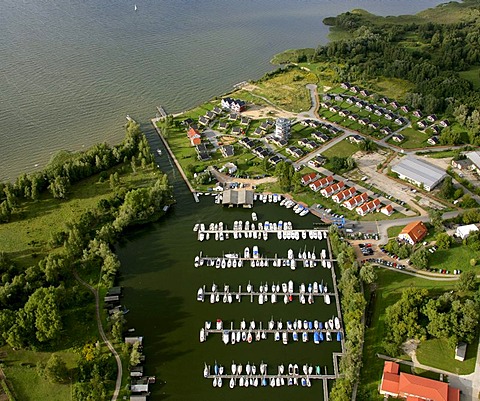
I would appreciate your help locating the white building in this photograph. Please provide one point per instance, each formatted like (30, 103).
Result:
(475, 158)
(282, 128)
(464, 231)
(419, 172)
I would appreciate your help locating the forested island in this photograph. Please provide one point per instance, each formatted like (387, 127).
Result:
(59, 228)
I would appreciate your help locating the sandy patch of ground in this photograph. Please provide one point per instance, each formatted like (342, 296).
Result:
(257, 112)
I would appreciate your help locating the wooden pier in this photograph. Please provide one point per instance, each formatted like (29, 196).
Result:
(161, 112)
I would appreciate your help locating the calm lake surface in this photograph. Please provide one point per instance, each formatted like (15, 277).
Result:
(70, 70)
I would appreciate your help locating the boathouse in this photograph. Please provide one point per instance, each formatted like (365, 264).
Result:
(238, 197)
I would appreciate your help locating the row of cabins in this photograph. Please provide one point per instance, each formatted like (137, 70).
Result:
(264, 127)
(340, 194)
(321, 126)
(384, 100)
(380, 112)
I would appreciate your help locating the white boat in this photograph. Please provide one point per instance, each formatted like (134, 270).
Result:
(219, 382)
(254, 216)
(249, 337)
(200, 295)
(215, 382)
(206, 371)
(256, 255)
(290, 286)
(285, 337)
(234, 368)
(248, 368)
(202, 335)
(243, 325)
(329, 264)
(226, 337)
(290, 254)
(232, 382)
(336, 323)
(241, 383)
(277, 336)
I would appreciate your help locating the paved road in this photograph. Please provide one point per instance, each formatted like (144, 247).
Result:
(118, 382)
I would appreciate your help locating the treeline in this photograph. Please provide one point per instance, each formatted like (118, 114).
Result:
(416, 315)
(66, 169)
(431, 61)
(32, 300)
(353, 306)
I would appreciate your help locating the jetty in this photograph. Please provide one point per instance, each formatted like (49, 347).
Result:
(161, 112)
(170, 153)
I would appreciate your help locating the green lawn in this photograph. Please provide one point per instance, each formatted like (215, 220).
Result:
(394, 231)
(341, 149)
(389, 288)
(457, 257)
(472, 75)
(439, 354)
(413, 139)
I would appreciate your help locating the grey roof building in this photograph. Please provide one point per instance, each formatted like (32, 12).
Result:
(419, 172)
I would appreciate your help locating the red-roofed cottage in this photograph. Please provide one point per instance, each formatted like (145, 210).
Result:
(321, 183)
(308, 178)
(344, 195)
(332, 189)
(356, 201)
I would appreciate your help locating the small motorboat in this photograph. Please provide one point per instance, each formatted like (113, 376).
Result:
(219, 382)
(277, 336)
(285, 338)
(248, 369)
(232, 382)
(326, 298)
(202, 335)
(206, 371)
(295, 336)
(316, 337)
(254, 216)
(305, 336)
(329, 336)
(336, 323)
(201, 295)
(215, 381)
(226, 337)
(249, 337)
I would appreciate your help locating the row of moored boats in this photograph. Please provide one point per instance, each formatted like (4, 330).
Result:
(250, 376)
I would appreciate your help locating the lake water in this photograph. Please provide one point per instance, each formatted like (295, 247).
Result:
(70, 70)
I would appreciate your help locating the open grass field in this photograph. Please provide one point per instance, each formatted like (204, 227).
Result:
(287, 89)
(472, 75)
(390, 285)
(413, 139)
(457, 257)
(341, 149)
(439, 354)
(393, 88)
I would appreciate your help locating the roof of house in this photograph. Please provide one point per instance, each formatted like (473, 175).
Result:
(388, 208)
(309, 177)
(419, 171)
(474, 157)
(415, 388)
(416, 230)
(192, 132)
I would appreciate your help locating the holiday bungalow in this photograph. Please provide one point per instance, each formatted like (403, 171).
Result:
(308, 178)
(344, 195)
(332, 189)
(321, 183)
(355, 201)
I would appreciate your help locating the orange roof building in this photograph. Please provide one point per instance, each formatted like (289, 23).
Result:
(414, 388)
(413, 232)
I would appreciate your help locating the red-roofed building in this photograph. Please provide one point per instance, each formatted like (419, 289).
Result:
(321, 183)
(388, 210)
(368, 207)
(308, 178)
(332, 189)
(414, 388)
(196, 140)
(192, 132)
(356, 201)
(344, 195)
(413, 232)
